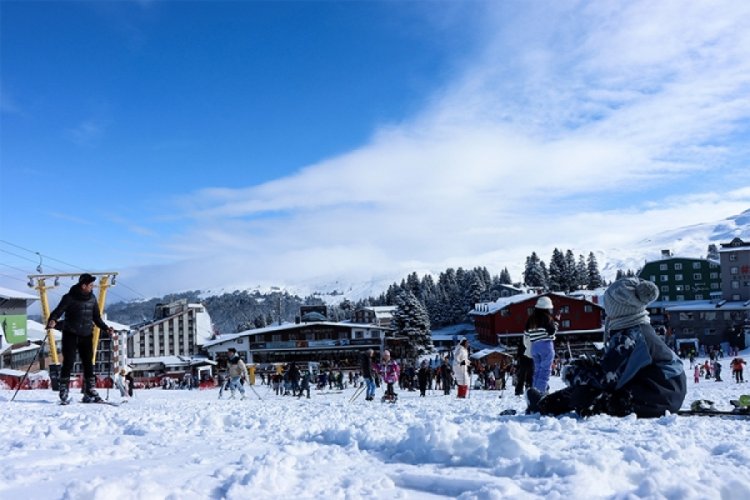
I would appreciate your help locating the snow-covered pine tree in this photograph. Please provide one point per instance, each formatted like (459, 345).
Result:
(594, 277)
(569, 272)
(505, 277)
(713, 252)
(534, 273)
(411, 320)
(582, 275)
(557, 272)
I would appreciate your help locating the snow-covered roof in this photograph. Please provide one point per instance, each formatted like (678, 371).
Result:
(486, 352)
(287, 326)
(170, 361)
(7, 293)
(707, 305)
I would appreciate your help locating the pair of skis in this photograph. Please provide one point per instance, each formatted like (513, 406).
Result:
(706, 408)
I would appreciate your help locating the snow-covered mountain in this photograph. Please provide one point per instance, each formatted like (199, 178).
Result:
(688, 241)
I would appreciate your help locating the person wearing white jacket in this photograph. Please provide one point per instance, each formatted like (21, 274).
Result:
(461, 367)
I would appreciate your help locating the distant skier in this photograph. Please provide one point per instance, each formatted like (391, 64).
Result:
(236, 371)
(390, 372)
(367, 374)
(446, 376)
(638, 373)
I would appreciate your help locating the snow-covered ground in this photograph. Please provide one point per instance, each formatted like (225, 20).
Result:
(190, 445)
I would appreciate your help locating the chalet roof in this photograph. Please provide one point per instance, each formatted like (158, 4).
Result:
(489, 308)
(288, 326)
(707, 305)
(7, 293)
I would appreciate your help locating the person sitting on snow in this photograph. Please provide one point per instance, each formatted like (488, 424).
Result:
(638, 373)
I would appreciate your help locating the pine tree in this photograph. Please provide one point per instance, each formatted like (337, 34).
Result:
(713, 252)
(594, 277)
(535, 273)
(411, 320)
(582, 275)
(569, 272)
(505, 277)
(557, 273)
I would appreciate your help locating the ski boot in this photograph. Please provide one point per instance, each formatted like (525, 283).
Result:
(89, 393)
(64, 391)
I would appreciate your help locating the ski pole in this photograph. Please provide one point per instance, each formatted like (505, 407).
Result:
(25, 375)
(256, 392)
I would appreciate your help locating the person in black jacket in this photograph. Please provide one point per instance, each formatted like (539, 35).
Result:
(367, 375)
(81, 312)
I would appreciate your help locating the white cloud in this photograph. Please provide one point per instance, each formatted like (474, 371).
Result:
(547, 139)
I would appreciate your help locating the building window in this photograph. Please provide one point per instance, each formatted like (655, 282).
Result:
(735, 285)
(565, 310)
(679, 288)
(686, 316)
(732, 257)
(707, 315)
(678, 266)
(687, 332)
(665, 288)
(665, 298)
(698, 296)
(663, 278)
(588, 308)
(565, 323)
(678, 277)
(734, 270)
(680, 297)
(714, 286)
(696, 265)
(505, 313)
(736, 296)
(652, 278)
(714, 276)
(276, 338)
(709, 331)
(697, 276)
(662, 267)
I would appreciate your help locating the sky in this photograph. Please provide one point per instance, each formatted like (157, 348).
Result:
(196, 145)
(190, 445)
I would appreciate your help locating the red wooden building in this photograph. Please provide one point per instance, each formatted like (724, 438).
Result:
(503, 321)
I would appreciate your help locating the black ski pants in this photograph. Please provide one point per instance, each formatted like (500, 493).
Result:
(84, 346)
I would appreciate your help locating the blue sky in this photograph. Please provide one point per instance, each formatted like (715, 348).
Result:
(208, 144)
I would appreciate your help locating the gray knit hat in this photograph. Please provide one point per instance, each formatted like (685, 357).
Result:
(625, 302)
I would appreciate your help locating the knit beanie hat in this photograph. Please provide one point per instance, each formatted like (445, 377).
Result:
(625, 302)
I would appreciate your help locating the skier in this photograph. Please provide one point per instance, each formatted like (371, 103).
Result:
(717, 371)
(236, 371)
(638, 373)
(390, 372)
(697, 374)
(461, 367)
(366, 365)
(82, 313)
(120, 382)
(540, 331)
